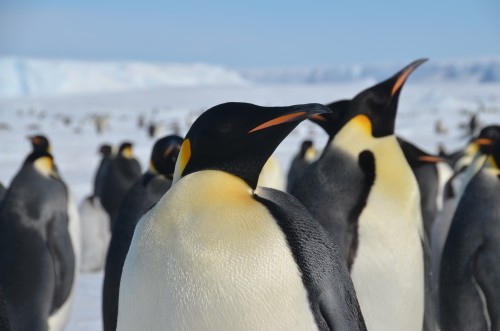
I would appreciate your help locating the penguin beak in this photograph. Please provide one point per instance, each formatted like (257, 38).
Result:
(484, 141)
(402, 76)
(293, 113)
(430, 159)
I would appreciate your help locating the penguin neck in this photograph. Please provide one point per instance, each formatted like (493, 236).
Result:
(215, 185)
(393, 174)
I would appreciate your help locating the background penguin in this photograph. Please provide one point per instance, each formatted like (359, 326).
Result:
(37, 259)
(105, 151)
(4, 318)
(470, 264)
(123, 171)
(431, 178)
(364, 193)
(95, 234)
(453, 192)
(300, 162)
(214, 253)
(271, 175)
(146, 191)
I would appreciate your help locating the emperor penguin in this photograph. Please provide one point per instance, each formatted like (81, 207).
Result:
(95, 222)
(105, 150)
(364, 193)
(469, 282)
(454, 190)
(123, 171)
(146, 192)
(37, 264)
(216, 254)
(300, 162)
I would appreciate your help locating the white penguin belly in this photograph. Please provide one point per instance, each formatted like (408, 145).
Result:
(388, 268)
(210, 257)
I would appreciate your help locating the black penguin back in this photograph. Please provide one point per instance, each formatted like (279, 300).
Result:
(324, 272)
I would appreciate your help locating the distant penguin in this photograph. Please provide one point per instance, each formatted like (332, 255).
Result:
(216, 254)
(272, 175)
(470, 265)
(105, 151)
(95, 234)
(363, 192)
(4, 318)
(146, 191)
(37, 264)
(487, 135)
(430, 181)
(300, 162)
(123, 171)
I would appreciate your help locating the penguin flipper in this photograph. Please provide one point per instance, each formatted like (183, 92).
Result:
(486, 275)
(324, 272)
(61, 250)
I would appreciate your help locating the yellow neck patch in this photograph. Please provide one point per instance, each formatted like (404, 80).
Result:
(182, 160)
(45, 166)
(310, 154)
(127, 152)
(363, 122)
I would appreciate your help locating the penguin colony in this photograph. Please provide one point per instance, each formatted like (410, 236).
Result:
(373, 234)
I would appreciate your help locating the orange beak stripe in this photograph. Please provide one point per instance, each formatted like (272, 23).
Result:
(430, 159)
(483, 141)
(319, 117)
(279, 120)
(401, 80)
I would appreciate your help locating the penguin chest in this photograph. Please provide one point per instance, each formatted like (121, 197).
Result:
(210, 257)
(388, 272)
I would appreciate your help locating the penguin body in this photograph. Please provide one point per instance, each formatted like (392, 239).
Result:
(363, 191)
(103, 169)
(95, 234)
(300, 162)
(215, 253)
(469, 276)
(2, 192)
(38, 266)
(143, 195)
(122, 172)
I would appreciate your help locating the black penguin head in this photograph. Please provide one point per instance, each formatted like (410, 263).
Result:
(105, 150)
(125, 150)
(238, 138)
(415, 156)
(40, 143)
(487, 138)
(378, 104)
(164, 155)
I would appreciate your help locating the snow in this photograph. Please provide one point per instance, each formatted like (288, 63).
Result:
(68, 121)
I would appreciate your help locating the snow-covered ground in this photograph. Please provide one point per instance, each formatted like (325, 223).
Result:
(69, 123)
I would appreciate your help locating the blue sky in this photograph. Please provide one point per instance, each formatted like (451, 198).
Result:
(253, 33)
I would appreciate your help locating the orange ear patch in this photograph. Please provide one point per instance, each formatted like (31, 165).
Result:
(279, 120)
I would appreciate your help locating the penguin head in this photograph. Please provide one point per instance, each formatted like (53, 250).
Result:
(374, 109)
(415, 156)
(125, 150)
(164, 155)
(105, 150)
(487, 139)
(238, 138)
(40, 143)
